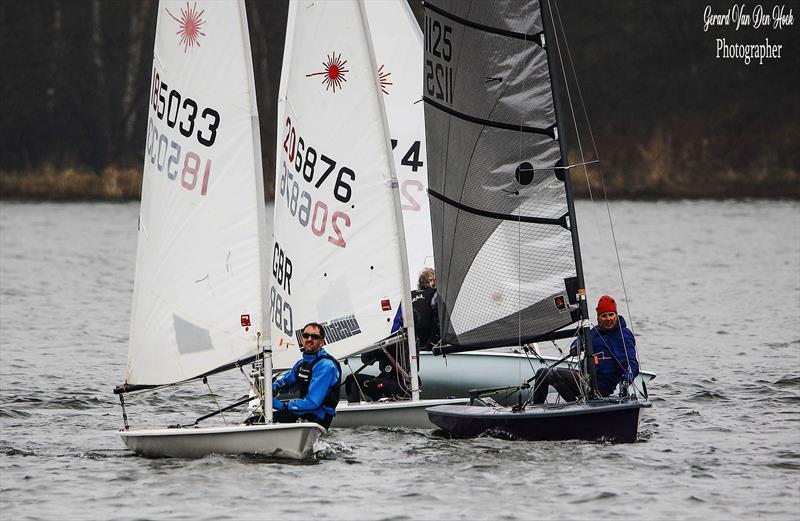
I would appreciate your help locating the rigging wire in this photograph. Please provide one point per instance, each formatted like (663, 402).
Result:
(519, 221)
(583, 160)
(214, 397)
(600, 167)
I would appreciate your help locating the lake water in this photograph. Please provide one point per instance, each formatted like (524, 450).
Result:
(714, 295)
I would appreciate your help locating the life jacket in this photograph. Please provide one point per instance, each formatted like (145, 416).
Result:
(426, 320)
(306, 372)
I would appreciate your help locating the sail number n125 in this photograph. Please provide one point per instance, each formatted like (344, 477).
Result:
(438, 71)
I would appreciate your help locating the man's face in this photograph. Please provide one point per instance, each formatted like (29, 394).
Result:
(607, 320)
(312, 341)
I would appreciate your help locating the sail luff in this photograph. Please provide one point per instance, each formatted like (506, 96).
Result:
(261, 220)
(406, 306)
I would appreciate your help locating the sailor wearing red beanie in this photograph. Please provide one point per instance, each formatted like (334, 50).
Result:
(607, 313)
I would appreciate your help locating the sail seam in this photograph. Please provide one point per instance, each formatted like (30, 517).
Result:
(485, 28)
(561, 221)
(489, 123)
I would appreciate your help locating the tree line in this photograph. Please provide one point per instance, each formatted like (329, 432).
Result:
(669, 118)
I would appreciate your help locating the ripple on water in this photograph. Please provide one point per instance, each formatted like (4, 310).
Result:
(596, 497)
(13, 451)
(14, 413)
(706, 396)
(788, 381)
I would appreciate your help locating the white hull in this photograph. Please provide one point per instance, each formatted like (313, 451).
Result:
(286, 441)
(455, 374)
(389, 414)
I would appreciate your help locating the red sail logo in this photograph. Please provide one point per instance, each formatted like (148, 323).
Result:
(333, 73)
(383, 78)
(190, 23)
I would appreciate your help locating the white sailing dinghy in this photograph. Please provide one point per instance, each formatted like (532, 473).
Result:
(506, 245)
(393, 27)
(199, 299)
(338, 251)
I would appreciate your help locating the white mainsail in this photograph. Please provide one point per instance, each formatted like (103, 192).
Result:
(397, 40)
(336, 240)
(199, 298)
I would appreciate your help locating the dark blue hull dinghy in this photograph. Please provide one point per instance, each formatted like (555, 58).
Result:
(611, 419)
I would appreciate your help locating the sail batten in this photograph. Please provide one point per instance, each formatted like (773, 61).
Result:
(562, 221)
(502, 242)
(550, 131)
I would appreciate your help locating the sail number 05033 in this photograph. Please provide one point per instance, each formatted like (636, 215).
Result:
(182, 111)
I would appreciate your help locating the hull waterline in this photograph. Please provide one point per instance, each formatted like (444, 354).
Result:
(284, 441)
(616, 421)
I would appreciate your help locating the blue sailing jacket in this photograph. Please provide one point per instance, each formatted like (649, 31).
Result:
(615, 356)
(324, 375)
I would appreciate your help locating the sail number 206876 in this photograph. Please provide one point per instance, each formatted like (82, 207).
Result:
(301, 167)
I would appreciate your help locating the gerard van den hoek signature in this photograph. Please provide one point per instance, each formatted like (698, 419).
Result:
(739, 16)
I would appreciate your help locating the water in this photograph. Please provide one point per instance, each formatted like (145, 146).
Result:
(714, 293)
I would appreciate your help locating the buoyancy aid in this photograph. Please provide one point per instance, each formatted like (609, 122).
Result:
(306, 372)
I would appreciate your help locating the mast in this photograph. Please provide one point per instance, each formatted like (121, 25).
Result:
(408, 317)
(265, 350)
(585, 327)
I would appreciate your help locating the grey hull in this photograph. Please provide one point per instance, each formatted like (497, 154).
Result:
(455, 374)
(404, 413)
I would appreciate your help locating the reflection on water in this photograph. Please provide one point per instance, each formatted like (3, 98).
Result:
(714, 298)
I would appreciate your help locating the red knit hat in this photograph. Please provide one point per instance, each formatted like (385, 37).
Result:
(606, 304)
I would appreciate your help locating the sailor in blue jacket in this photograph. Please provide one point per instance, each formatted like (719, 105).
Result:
(614, 348)
(315, 378)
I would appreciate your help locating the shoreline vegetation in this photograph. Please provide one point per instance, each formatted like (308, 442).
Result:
(664, 180)
(669, 119)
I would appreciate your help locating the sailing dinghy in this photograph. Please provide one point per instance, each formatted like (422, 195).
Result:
(199, 298)
(338, 252)
(393, 26)
(505, 237)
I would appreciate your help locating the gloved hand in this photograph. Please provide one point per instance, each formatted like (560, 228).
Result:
(627, 379)
(624, 384)
(573, 350)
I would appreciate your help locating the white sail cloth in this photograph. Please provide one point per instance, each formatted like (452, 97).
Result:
(198, 299)
(398, 50)
(336, 241)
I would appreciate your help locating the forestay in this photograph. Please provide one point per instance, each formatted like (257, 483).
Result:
(397, 39)
(335, 248)
(499, 213)
(199, 298)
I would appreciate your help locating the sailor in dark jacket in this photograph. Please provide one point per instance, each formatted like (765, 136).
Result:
(426, 315)
(315, 378)
(614, 348)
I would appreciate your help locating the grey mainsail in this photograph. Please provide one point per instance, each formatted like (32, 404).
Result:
(503, 251)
